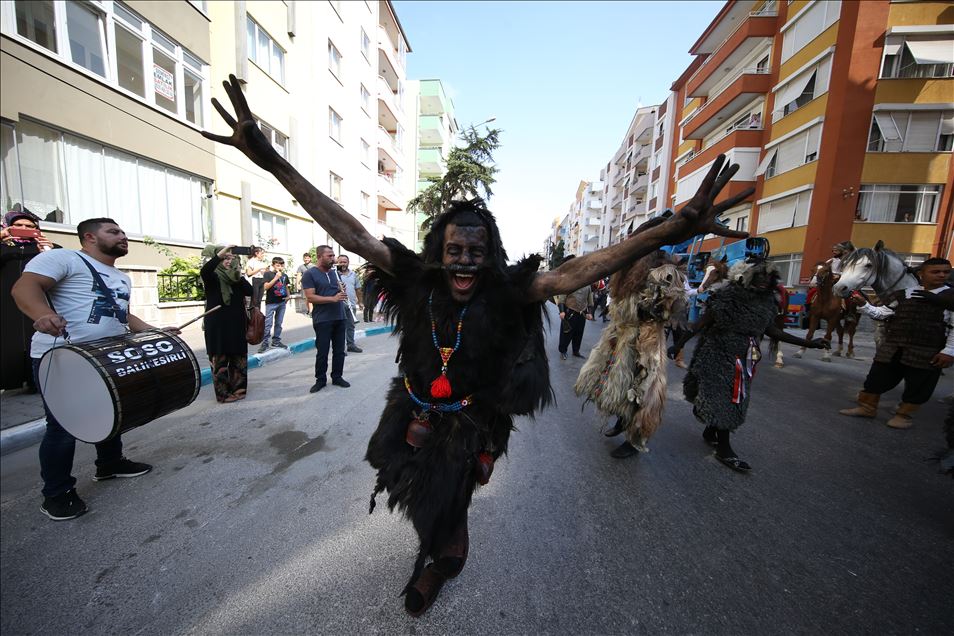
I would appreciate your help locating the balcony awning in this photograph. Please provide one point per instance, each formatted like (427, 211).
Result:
(790, 92)
(931, 52)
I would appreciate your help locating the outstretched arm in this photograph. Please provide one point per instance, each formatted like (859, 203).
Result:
(687, 335)
(781, 335)
(698, 216)
(247, 137)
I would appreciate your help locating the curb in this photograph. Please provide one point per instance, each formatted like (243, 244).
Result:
(30, 433)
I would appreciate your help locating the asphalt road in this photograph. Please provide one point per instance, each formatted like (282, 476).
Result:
(255, 521)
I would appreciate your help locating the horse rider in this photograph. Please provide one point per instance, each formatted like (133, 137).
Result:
(919, 343)
(839, 251)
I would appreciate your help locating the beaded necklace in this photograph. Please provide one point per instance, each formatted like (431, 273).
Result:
(440, 387)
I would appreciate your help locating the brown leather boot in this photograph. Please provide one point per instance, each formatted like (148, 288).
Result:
(903, 416)
(867, 405)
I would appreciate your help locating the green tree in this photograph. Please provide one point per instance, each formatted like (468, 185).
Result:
(556, 256)
(470, 172)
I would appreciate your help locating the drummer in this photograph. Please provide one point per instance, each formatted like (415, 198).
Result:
(83, 312)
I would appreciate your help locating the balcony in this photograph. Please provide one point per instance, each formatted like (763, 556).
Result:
(388, 195)
(755, 31)
(387, 105)
(430, 162)
(387, 148)
(387, 48)
(737, 138)
(433, 101)
(595, 205)
(432, 131)
(690, 180)
(714, 113)
(593, 221)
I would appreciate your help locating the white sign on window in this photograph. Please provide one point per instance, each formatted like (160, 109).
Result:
(165, 82)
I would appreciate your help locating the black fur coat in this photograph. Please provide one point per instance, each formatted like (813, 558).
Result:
(501, 364)
(739, 313)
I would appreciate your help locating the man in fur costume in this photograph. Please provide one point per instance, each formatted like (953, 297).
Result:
(719, 380)
(625, 374)
(471, 352)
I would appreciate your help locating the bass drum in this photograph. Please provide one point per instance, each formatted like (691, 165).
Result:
(103, 388)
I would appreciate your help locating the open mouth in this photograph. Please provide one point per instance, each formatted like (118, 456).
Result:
(463, 282)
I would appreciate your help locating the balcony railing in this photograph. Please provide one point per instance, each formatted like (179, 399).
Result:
(734, 77)
(752, 124)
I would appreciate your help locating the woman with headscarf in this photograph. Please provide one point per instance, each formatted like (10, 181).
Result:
(225, 328)
(17, 330)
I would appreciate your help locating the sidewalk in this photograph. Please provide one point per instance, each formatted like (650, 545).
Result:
(24, 412)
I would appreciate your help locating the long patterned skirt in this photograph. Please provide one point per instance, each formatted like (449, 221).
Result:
(229, 376)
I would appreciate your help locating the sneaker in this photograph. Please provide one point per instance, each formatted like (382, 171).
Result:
(279, 345)
(562, 356)
(355, 349)
(63, 507)
(263, 348)
(121, 468)
(317, 386)
(341, 382)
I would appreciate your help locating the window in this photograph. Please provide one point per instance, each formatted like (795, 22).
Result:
(365, 205)
(762, 66)
(789, 266)
(336, 5)
(334, 60)
(365, 45)
(365, 101)
(265, 52)
(802, 88)
(269, 229)
(808, 24)
(36, 22)
(87, 36)
(334, 186)
(64, 178)
(142, 62)
(786, 212)
(911, 131)
(278, 140)
(742, 223)
(791, 153)
(923, 55)
(365, 153)
(898, 203)
(334, 125)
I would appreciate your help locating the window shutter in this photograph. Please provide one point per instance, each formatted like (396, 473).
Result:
(802, 207)
(810, 25)
(792, 90)
(777, 215)
(889, 130)
(947, 122)
(791, 153)
(893, 44)
(832, 12)
(822, 76)
(814, 141)
(765, 162)
(921, 135)
(931, 51)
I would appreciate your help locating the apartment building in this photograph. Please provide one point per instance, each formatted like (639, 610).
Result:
(100, 113)
(627, 176)
(103, 103)
(660, 162)
(580, 228)
(437, 131)
(839, 114)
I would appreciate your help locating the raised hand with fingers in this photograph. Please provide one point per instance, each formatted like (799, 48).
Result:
(700, 214)
(246, 135)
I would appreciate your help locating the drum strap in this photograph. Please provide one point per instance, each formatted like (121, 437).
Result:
(107, 292)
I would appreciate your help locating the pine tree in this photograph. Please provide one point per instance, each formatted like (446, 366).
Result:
(470, 172)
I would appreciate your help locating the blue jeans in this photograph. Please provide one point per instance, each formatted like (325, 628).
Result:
(274, 312)
(58, 447)
(329, 334)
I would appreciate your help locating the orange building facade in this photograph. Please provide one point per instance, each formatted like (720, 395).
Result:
(840, 115)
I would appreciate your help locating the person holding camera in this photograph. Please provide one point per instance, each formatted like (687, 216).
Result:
(276, 294)
(225, 341)
(20, 240)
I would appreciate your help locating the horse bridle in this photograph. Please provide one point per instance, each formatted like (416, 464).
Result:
(905, 270)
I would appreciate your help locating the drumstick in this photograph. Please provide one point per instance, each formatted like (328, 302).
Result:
(183, 326)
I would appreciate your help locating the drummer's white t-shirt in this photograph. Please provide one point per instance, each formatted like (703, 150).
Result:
(77, 297)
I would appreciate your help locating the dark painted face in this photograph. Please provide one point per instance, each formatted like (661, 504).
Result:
(465, 249)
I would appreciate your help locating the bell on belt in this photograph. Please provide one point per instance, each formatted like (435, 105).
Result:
(417, 432)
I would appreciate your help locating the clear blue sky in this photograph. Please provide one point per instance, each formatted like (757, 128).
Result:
(563, 80)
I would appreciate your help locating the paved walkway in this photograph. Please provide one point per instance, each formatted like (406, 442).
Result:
(17, 408)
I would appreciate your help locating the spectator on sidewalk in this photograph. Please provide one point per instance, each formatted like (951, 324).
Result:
(276, 294)
(575, 309)
(350, 280)
(304, 267)
(59, 292)
(225, 328)
(324, 289)
(17, 330)
(255, 271)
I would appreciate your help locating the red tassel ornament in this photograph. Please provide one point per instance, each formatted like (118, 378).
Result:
(441, 387)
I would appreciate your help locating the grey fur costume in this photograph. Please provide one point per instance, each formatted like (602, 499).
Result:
(625, 374)
(740, 314)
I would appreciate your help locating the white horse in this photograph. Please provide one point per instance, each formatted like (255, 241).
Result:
(878, 268)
